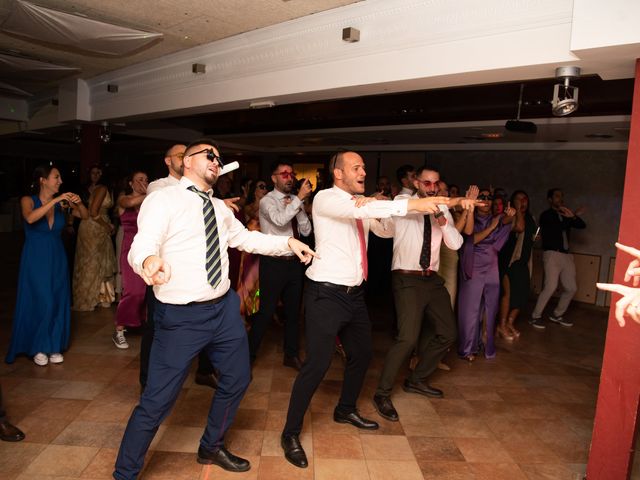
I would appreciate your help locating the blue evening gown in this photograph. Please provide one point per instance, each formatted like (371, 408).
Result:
(43, 308)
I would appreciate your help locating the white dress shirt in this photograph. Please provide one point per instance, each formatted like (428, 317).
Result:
(408, 235)
(337, 243)
(159, 184)
(276, 213)
(171, 225)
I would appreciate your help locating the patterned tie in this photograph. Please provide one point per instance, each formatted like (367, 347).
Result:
(213, 265)
(363, 248)
(425, 254)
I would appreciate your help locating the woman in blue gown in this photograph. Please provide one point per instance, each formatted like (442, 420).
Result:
(43, 306)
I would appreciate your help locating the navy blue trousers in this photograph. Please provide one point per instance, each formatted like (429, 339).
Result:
(181, 332)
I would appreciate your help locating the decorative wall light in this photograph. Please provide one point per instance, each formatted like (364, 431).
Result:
(565, 97)
(105, 132)
(112, 88)
(199, 68)
(350, 34)
(77, 134)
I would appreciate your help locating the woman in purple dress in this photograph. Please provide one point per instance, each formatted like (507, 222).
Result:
(479, 286)
(131, 310)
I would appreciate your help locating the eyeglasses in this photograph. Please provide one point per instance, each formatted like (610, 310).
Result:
(484, 196)
(211, 156)
(427, 183)
(286, 175)
(261, 186)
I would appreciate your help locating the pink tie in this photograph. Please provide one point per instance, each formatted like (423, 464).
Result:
(363, 248)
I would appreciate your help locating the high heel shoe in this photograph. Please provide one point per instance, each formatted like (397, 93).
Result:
(505, 333)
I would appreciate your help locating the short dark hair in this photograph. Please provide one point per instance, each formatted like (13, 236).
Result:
(551, 191)
(335, 161)
(430, 168)
(202, 141)
(403, 171)
(275, 164)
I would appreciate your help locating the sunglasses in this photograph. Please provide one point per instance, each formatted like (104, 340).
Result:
(211, 156)
(261, 186)
(485, 197)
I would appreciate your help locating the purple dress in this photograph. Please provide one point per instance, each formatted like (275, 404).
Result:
(479, 287)
(131, 310)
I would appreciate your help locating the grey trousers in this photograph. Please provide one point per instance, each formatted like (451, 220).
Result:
(557, 266)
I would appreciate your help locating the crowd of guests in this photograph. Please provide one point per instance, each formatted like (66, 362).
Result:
(460, 268)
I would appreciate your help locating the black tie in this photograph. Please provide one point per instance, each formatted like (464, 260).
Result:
(425, 254)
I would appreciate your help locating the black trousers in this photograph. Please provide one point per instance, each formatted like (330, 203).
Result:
(204, 364)
(278, 277)
(331, 311)
(3, 414)
(425, 321)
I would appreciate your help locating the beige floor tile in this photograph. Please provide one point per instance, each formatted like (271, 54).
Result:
(62, 460)
(278, 468)
(343, 469)
(244, 442)
(101, 466)
(497, 471)
(446, 471)
(394, 470)
(16, 457)
(435, 449)
(485, 450)
(389, 447)
(180, 439)
(344, 446)
(42, 429)
(172, 466)
(80, 390)
(91, 434)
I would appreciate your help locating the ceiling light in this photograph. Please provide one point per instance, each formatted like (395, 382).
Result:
(105, 132)
(263, 104)
(565, 97)
(517, 125)
(199, 68)
(350, 34)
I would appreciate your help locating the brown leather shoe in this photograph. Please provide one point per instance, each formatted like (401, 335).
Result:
(293, 362)
(9, 433)
(207, 379)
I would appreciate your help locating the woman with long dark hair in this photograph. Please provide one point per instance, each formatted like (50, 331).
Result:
(515, 260)
(95, 261)
(43, 306)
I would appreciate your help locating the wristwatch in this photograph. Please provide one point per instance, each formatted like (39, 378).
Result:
(439, 214)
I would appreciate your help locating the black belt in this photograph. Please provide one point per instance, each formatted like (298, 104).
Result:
(213, 301)
(342, 288)
(417, 273)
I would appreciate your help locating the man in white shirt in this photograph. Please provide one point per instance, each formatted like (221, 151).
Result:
(406, 175)
(173, 161)
(425, 318)
(281, 213)
(181, 249)
(205, 374)
(334, 294)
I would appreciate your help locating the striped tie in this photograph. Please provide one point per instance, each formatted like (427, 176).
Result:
(214, 270)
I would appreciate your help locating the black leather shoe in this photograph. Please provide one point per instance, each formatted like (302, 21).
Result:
(422, 389)
(354, 419)
(207, 379)
(385, 408)
(293, 362)
(293, 451)
(9, 433)
(223, 458)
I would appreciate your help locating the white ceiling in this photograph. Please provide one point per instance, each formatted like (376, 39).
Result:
(183, 23)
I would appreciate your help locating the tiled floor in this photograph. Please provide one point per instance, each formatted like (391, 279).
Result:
(528, 414)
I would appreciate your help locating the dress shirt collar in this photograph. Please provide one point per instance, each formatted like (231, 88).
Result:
(186, 183)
